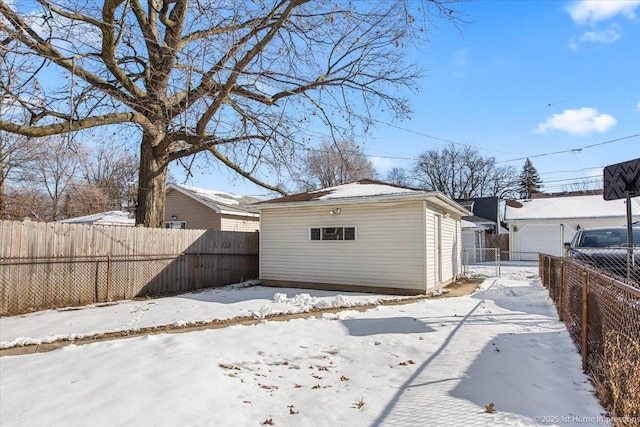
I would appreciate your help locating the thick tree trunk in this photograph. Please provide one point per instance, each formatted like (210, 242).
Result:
(152, 183)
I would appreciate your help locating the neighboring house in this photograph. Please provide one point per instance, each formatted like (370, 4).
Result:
(104, 218)
(364, 236)
(198, 208)
(473, 240)
(485, 230)
(546, 224)
(486, 212)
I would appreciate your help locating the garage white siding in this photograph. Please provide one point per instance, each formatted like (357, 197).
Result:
(450, 247)
(389, 250)
(431, 262)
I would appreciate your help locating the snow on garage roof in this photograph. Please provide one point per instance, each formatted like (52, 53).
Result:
(218, 200)
(362, 188)
(103, 218)
(363, 191)
(570, 207)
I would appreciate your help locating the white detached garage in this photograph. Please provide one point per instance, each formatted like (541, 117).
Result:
(543, 225)
(364, 236)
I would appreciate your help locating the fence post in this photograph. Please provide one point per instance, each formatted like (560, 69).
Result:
(561, 291)
(198, 272)
(549, 259)
(585, 317)
(464, 262)
(108, 277)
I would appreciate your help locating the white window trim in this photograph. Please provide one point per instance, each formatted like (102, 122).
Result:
(355, 231)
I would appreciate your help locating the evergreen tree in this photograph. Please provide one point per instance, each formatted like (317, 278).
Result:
(529, 182)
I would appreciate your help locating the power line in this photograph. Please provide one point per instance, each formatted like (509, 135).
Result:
(572, 150)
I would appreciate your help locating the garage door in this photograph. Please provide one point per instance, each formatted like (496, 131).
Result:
(539, 238)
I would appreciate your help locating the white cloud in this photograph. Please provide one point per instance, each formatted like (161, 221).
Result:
(573, 45)
(638, 107)
(578, 122)
(592, 11)
(602, 37)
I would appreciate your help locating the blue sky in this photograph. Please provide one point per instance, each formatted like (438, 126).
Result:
(520, 79)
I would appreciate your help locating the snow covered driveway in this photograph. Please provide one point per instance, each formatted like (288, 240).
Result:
(429, 363)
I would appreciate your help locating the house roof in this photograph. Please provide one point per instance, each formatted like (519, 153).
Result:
(569, 208)
(484, 207)
(479, 220)
(219, 201)
(103, 218)
(475, 226)
(363, 191)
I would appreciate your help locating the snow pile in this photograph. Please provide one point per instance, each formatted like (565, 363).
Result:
(438, 292)
(304, 303)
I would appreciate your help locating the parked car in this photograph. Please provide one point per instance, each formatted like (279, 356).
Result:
(606, 248)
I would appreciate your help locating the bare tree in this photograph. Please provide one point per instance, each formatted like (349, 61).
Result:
(334, 164)
(16, 153)
(15, 150)
(399, 176)
(461, 173)
(111, 168)
(27, 203)
(243, 81)
(53, 170)
(108, 174)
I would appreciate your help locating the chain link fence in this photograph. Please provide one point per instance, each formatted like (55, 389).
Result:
(37, 283)
(481, 257)
(613, 261)
(602, 314)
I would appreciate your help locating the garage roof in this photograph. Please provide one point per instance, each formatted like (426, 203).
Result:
(363, 191)
(570, 207)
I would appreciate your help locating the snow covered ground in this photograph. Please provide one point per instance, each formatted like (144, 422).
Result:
(434, 362)
(241, 300)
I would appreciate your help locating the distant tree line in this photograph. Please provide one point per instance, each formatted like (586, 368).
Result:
(458, 172)
(55, 177)
(461, 172)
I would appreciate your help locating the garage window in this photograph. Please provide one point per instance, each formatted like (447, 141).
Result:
(332, 233)
(178, 225)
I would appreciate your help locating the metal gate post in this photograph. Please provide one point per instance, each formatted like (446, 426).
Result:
(561, 292)
(585, 317)
(108, 277)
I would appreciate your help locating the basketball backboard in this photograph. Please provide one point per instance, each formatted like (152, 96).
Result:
(620, 178)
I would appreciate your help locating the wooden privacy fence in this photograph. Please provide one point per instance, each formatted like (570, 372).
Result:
(51, 265)
(602, 314)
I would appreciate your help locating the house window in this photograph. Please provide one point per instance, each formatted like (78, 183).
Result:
(178, 225)
(332, 233)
